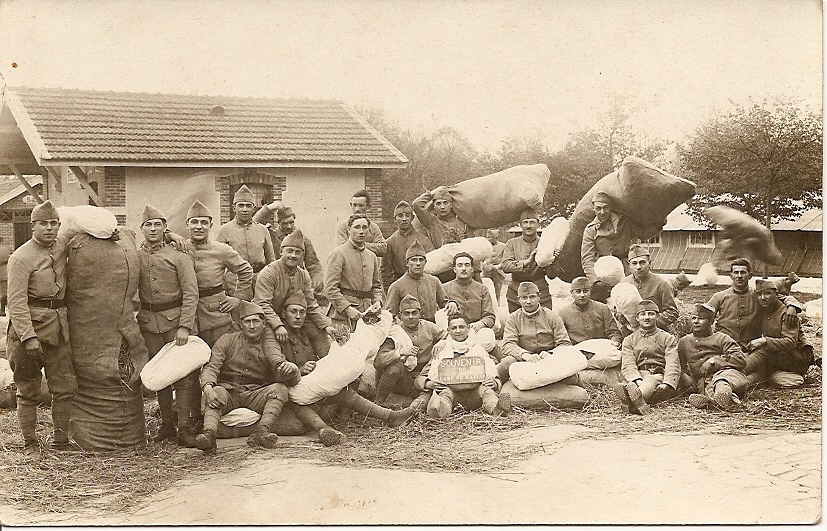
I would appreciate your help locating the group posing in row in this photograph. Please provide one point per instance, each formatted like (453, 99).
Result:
(252, 293)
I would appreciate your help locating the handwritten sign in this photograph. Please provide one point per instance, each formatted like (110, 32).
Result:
(464, 369)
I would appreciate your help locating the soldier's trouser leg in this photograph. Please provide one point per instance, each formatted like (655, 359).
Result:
(310, 418)
(213, 415)
(736, 379)
(502, 367)
(489, 398)
(27, 377)
(267, 400)
(757, 362)
(649, 383)
(441, 403)
(387, 380)
(187, 398)
(154, 342)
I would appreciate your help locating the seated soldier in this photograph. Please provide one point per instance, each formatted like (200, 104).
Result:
(652, 286)
(780, 354)
(472, 297)
(531, 332)
(305, 346)
(649, 363)
(245, 371)
(393, 375)
(679, 283)
(480, 392)
(426, 288)
(713, 361)
(586, 319)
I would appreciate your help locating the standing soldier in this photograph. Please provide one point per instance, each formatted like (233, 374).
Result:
(374, 241)
(212, 261)
(38, 334)
(352, 278)
(394, 264)
(492, 267)
(443, 225)
(169, 298)
(5, 252)
(609, 234)
(518, 259)
(250, 239)
(283, 278)
(286, 225)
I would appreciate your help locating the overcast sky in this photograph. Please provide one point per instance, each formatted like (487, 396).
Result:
(491, 69)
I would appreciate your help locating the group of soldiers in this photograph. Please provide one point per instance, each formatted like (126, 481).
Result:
(255, 291)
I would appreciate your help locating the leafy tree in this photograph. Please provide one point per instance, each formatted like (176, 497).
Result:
(762, 159)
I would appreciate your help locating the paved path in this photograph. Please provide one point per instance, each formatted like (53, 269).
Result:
(772, 477)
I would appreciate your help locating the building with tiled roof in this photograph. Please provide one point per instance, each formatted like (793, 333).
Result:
(122, 150)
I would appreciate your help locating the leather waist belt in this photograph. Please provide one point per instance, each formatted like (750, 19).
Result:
(206, 292)
(257, 267)
(356, 293)
(160, 307)
(651, 367)
(52, 304)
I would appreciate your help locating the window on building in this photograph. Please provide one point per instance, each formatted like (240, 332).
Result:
(654, 241)
(701, 239)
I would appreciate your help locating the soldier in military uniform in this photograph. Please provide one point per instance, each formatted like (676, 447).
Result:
(168, 291)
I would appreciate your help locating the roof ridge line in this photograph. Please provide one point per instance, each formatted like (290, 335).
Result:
(379, 136)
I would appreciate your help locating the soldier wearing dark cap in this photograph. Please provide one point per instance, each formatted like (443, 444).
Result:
(780, 353)
(392, 374)
(286, 224)
(212, 261)
(250, 239)
(609, 234)
(679, 283)
(306, 346)
(518, 259)
(394, 263)
(531, 332)
(713, 361)
(245, 371)
(38, 334)
(282, 278)
(426, 288)
(652, 286)
(587, 319)
(650, 362)
(442, 225)
(168, 291)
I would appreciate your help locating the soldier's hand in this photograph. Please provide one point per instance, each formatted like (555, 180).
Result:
(757, 343)
(32, 346)
(275, 205)
(451, 308)
(178, 242)
(490, 383)
(410, 362)
(708, 366)
(790, 316)
(214, 400)
(307, 368)
(182, 335)
(229, 304)
(352, 313)
(330, 331)
(376, 307)
(476, 326)
(286, 370)
(281, 333)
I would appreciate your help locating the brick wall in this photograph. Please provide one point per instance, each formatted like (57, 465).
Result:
(7, 232)
(114, 188)
(265, 187)
(373, 185)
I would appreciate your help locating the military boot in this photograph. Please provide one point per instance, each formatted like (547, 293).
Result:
(262, 438)
(206, 442)
(186, 437)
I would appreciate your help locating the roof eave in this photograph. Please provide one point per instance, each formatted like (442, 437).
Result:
(221, 164)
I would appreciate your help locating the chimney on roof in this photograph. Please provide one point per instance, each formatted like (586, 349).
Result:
(218, 110)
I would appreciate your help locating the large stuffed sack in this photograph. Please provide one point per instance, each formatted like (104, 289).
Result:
(173, 362)
(564, 361)
(94, 221)
(742, 236)
(814, 310)
(707, 275)
(607, 377)
(6, 374)
(442, 259)
(605, 354)
(624, 299)
(551, 241)
(287, 424)
(643, 193)
(499, 198)
(552, 396)
(108, 351)
(609, 270)
(343, 364)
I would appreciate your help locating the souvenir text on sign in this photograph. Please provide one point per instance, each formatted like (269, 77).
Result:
(464, 369)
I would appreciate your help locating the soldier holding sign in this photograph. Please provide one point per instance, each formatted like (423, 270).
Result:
(462, 372)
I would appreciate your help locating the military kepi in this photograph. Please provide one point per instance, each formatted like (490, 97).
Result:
(704, 310)
(294, 239)
(44, 211)
(244, 195)
(601, 197)
(402, 206)
(248, 308)
(150, 212)
(409, 302)
(765, 284)
(198, 210)
(636, 251)
(581, 283)
(296, 299)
